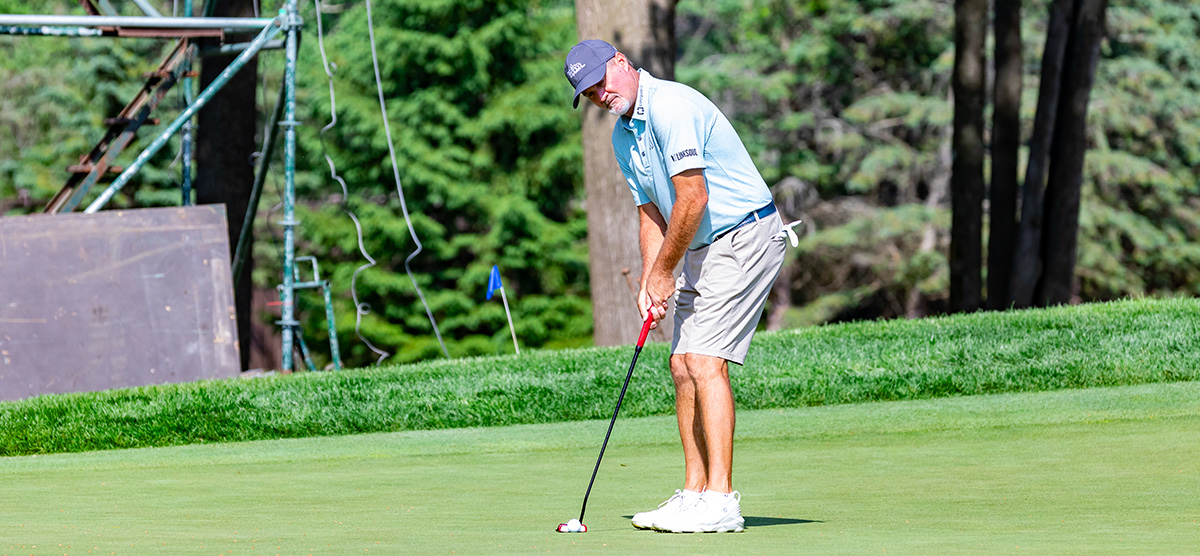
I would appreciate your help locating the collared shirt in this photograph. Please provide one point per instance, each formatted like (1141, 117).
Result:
(675, 128)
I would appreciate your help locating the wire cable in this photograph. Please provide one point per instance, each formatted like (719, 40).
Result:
(396, 174)
(360, 308)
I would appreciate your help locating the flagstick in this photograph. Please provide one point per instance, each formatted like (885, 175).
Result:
(504, 298)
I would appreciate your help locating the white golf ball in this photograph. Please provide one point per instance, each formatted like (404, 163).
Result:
(574, 526)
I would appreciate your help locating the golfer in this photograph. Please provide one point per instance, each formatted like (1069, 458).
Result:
(700, 199)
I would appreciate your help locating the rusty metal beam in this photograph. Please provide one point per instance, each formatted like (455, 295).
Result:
(166, 33)
(89, 7)
(119, 136)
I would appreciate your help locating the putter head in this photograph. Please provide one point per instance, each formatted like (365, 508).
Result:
(573, 526)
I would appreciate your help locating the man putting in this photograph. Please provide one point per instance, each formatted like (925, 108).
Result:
(699, 198)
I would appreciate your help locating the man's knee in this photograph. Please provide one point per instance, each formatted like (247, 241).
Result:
(679, 369)
(704, 367)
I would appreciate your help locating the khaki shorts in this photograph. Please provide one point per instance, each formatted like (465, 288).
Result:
(723, 288)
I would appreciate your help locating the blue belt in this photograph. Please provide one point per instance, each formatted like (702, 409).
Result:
(750, 219)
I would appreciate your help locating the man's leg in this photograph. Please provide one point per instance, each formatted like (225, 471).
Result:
(719, 507)
(695, 452)
(714, 398)
(691, 430)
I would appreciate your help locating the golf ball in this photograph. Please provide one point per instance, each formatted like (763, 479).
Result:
(574, 526)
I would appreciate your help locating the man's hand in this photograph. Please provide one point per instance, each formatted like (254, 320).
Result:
(655, 294)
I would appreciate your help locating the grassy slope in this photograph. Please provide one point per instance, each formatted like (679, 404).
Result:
(1130, 342)
(1094, 471)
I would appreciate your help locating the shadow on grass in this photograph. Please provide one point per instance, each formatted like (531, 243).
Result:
(759, 521)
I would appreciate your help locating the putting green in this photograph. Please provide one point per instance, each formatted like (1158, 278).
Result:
(1113, 470)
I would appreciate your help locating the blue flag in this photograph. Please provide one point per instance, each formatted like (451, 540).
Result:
(494, 281)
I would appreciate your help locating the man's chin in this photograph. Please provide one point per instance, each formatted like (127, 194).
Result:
(619, 108)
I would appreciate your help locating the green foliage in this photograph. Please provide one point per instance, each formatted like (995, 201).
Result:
(853, 99)
(488, 152)
(35, 107)
(58, 91)
(489, 161)
(1140, 222)
(848, 66)
(857, 266)
(1129, 342)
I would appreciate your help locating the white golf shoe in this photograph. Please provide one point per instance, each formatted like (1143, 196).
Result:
(714, 512)
(682, 499)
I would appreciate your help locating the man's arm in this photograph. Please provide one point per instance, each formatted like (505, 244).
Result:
(651, 231)
(691, 199)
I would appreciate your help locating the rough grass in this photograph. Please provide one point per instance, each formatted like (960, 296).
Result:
(1128, 342)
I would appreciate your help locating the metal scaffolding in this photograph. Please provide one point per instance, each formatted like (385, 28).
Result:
(180, 24)
(176, 67)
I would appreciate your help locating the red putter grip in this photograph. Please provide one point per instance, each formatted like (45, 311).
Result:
(645, 329)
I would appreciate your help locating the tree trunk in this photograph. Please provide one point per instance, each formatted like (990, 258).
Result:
(224, 145)
(966, 178)
(645, 31)
(1067, 155)
(1027, 265)
(1006, 140)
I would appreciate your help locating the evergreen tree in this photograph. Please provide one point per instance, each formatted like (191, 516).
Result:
(851, 100)
(489, 162)
(847, 102)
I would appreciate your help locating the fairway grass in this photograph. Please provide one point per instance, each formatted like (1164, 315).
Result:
(1094, 471)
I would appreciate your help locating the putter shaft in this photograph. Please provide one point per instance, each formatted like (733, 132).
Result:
(636, 351)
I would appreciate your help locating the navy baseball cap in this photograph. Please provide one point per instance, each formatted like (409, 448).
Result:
(586, 64)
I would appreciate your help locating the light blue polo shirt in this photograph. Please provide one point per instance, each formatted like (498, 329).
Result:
(675, 128)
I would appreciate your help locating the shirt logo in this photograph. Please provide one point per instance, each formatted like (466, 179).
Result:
(683, 154)
(574, 69)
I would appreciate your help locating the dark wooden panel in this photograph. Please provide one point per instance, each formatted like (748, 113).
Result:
(115, 299)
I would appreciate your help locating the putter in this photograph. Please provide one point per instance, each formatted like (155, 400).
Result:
(576, 525)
